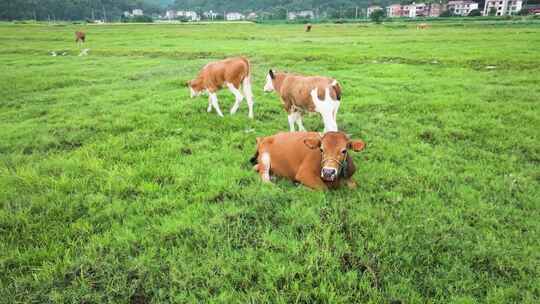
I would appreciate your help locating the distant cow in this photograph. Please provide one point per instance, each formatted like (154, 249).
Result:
(300, 94)
(80, 37)
(308, 27)
(232, 73)
(318, 162)
(422, 26)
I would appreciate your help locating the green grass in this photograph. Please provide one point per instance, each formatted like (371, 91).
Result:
(116, 187)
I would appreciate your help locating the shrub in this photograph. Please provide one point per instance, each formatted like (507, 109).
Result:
(475, 13)
(377, 16)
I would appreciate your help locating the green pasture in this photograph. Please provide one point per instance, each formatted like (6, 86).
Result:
(116, 187)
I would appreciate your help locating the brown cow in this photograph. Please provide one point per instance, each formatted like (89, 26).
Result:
(300, 94)
(308, 27)
(232, 73)
(422, 26)
(318, 162)
(80, 37)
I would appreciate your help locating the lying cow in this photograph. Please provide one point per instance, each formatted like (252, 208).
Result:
(232, 73)
(319, 162)
(300, 94)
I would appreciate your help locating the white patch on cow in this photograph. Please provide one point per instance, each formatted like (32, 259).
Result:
(215, 104)
(246, 87)
(269, 86)
(237, 95)
(265, 170)
(209, 109)
(299, 122)
(326, 108)
(193, 92)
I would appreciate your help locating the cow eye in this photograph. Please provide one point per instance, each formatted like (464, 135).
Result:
(343, 151)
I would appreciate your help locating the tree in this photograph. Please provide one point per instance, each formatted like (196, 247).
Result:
(447, 13)
(377, 15)
(475, 13)
(523, 12)
(492, 12)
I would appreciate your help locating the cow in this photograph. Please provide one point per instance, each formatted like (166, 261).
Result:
(301, 94)
(318, 161)
(422, 26)
(308, 27)
(80, 37)
(231, 72)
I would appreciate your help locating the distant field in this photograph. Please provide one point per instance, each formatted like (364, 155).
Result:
(116, 187)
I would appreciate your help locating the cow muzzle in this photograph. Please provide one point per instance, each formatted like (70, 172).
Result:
(329, 174)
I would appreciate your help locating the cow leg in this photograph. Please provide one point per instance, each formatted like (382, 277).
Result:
(246, 87)
(214, 100)
(299, 122)
(237, 95)
(292, 120)
(336, 108)
(264, 167)
(209, 109)
(309, 179)
(326, 109)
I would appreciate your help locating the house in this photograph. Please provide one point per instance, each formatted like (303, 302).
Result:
(234, 16)
(252, 16)
(533, 9)
(170, 14)
(189, 15)
(408, 10)
(137, 12)
(210, 15)
(393, 11)
(462, 7)
(502, 7)
(373, 8)
(307, 14)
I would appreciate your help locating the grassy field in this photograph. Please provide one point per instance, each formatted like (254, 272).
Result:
(116, 187)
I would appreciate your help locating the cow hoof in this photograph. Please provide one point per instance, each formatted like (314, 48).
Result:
(351, 184)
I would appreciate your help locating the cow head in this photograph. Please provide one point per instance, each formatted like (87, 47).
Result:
(334, 147)
(195, 88)
(269, 86)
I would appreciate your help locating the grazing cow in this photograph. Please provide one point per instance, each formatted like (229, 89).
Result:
(422, 26)
(232, 73)
(308, 27)
(315, 160)
(300, 94)
(80, 37)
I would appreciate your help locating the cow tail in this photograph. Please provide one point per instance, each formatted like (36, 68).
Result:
(254, 160)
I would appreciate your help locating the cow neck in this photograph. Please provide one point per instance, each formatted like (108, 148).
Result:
(278, 81)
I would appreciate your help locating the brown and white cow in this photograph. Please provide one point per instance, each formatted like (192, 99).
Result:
(80, 37)
(300, 94)
(308, 27)
(315, 160)
(233, 73)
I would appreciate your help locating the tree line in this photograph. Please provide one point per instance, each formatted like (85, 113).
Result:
(112, 10)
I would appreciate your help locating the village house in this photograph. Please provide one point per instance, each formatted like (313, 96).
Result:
(135, 12)
(393, 11)
(502, 7)
(252, 16)
(306, 14)
(462, 7)
(234, 16)
(414, 10)
(210, 15)
(189, 15)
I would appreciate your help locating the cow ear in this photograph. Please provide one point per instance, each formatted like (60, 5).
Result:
(356, 145)
(312, 142)
(271, 73)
